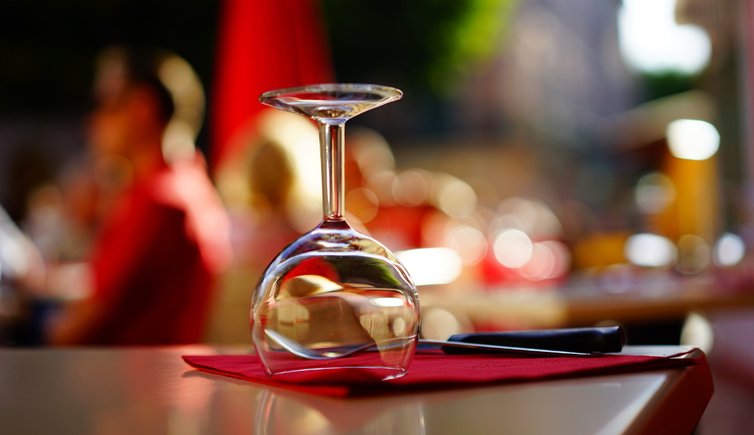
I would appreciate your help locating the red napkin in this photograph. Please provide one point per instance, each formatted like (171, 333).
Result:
(434, 370)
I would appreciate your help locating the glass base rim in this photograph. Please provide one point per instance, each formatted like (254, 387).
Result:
(385, 91)
(398, 371)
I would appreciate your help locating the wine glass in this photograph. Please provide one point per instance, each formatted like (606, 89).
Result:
(334, 288)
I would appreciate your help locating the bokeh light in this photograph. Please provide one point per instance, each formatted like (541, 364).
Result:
(431, 266)
(528, 215)
(654, 192)
(729, 250)
(469, 242)
(650, 250)
(692, 139)
(549, 260)
(694, 254)
(454, 196)
(411, 187)
(652, 41)
(513, 248)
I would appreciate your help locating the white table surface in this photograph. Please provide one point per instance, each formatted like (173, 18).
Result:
(152, 391)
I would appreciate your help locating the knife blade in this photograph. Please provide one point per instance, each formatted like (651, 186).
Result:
(604, 339)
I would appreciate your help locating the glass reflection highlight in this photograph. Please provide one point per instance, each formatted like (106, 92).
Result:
(308, 415)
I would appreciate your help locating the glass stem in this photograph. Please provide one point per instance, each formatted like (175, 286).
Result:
(331, 138)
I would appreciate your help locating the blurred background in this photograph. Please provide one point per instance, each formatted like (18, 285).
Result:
(551, 163)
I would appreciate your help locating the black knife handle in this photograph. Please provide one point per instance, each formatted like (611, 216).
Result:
(596, 339)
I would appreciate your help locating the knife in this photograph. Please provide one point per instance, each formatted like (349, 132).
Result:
(583, 340)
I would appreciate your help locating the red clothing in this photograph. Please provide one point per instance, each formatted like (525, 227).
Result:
(155, 261)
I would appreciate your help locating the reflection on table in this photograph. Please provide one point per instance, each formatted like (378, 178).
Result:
(151, 390)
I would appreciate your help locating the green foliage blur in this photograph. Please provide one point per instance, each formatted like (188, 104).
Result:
(665, 83)
(420, 45)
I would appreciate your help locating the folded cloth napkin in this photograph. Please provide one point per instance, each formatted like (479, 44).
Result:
(434, 370)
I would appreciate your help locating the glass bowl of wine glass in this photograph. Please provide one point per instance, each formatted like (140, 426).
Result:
(335, 302)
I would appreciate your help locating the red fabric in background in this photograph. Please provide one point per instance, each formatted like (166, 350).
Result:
(263, 45)
(435, 370)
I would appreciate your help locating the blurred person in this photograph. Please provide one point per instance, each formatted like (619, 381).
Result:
(260, 229)
(164, 238)
(260, 209)
(21, 268)
(62, 215)
(271, 180)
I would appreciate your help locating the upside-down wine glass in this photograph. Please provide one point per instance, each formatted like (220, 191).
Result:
(334, 288)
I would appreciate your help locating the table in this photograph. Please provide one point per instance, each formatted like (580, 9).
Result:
(151, 390)
(586, 305)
